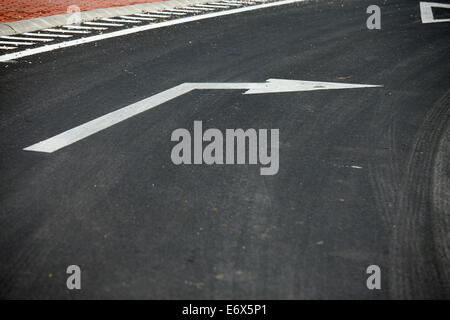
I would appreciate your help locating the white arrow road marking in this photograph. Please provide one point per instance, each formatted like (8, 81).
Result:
(282, 85)
(426, 12)
(89, 128)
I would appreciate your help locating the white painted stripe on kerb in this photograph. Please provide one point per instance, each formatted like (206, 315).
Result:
(241, 2)
(165, 13)
(47, 35)
(104, 24)
(173, 13)
(238, 2)
(138, 18)
(119, 33)
(121, 20)
(7, 48)
(222, 6)
(17, 43)
(228, 4)
(84, 28)
(26, 38)
(201, 9)
(67, 31)
(152, 15)
(182, 11)
(191, 8)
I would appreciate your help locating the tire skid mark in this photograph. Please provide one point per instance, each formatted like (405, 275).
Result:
(413, 199)
(441, 204)
(415, 264)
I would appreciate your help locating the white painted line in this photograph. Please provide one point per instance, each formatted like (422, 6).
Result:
(173, 13)
(7, 48)
(222, 6)
(26, 38)
(426, 12)
(84, 28)
(166, 13)
(181, 11)
(239, 2)
(17, 43)
(191, 9)
(188, 10)
(270, 86)
(138, 18)
(89, 128)
(225, 4)
(228, 4)
(119, 33)
(67, 31)
(47, 35)
(199, 9)
(104, 24)
(121, 20)
(356, 167)
(152, 15)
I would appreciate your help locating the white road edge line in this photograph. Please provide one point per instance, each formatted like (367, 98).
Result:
(119, 33)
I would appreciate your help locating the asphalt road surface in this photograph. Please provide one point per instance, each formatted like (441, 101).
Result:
(363, 178)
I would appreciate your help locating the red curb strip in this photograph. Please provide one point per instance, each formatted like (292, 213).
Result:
(15, 10)
(57, 20)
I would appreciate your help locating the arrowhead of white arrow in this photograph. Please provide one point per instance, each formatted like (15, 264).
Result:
(283, 85)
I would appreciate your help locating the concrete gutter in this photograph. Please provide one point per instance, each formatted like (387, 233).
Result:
(29, 25)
